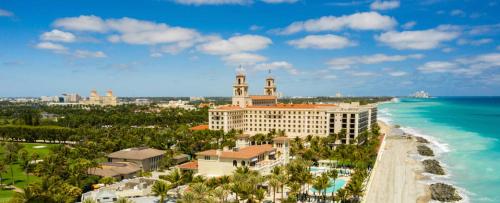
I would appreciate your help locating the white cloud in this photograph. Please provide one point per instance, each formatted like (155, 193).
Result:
(243, 59)
(420, 40)
(82, 23)
(463, 66)
(213, 2)
(89, 54)
(279, 1)
(356, 21)
(346, 62)
(58, 36)
(236, 44)
(384, 5)
(51, 46)
(398, 73)
(477, 42)
(409, 25)
(321, 42)
(437, 67)
(283, 65)
(255, 28)
(135, 31)
(5, 13)
(498, 47)
(457, 12)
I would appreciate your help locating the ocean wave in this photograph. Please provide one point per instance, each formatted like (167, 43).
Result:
(437, 146)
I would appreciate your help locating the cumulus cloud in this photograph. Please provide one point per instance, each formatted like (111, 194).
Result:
(356, 21)
(384, 5)
(82, 23)
(51, 46)
(236, 44)
(463, 66)
(5, 13)
(420, 40)
(328, 41)
(243, 59)
(255, 28)
(347, 62)
(362, 73)
(277, 65)
(58, 36)
(457, 12)
(89, 54)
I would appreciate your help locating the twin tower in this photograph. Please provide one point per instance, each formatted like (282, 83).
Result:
(242, 99)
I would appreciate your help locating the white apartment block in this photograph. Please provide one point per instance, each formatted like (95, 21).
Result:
(296, 120)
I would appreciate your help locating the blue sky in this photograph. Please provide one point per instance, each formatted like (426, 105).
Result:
(193, 47)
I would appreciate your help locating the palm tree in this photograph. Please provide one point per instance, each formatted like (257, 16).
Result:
(175, 178)
(88, 200)
(321, 183)
(355, 189)
(334, 174)
(160, 188)
(282, 179)
(260, 194)
(274, 183)
(342, 194)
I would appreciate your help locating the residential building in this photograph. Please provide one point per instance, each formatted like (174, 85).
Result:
(261, 158)
(117, 170)
(148, 159)
(178, 104)
(261, 114)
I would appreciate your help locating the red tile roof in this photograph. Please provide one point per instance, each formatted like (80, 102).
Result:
(192, 165)
(243, 153)
(199, 127)
(262, 97)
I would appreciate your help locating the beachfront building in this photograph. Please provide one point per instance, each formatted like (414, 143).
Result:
(262, 113)
(147, 159)
(262, 158)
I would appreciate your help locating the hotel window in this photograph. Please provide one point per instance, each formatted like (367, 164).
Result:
(207, 157)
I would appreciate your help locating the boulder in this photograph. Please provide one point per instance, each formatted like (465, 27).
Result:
(433, 166)
(425, 150)
(444, 193)
(422, 140)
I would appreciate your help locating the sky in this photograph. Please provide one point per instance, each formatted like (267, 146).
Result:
(194, 47)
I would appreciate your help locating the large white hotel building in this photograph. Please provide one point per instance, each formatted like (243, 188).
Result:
(254, 114)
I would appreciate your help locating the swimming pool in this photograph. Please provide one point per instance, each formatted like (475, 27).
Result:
(339, 183)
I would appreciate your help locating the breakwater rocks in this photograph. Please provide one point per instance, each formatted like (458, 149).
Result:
(433, 166)
(445, 193)
(425, 150)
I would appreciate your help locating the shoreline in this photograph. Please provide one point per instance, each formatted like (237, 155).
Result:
(397, 176)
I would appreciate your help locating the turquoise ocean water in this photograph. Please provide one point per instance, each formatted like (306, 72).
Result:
(465, 134)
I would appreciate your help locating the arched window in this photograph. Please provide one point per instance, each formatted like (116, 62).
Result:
(243, 163)
(235, 163)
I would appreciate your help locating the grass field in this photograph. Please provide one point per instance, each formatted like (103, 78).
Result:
(19, 175)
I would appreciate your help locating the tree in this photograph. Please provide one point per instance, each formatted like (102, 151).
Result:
(24, 162)
(107, 180)
(175, 179)
(160, 188)
(11, 150)
(334, 174)
(274, 183)
(355, 189)
(321, 183)
(3, 169)
(123, 200)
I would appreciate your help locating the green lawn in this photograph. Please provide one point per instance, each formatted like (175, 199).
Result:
(19, 175)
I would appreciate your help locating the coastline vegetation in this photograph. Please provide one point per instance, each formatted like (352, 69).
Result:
(78, 138)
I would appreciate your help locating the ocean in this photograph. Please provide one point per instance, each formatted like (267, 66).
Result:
(465, 135)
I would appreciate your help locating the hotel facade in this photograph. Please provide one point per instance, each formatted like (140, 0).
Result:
(253, 114)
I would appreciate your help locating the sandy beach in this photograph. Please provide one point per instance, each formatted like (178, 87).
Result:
(395, 177)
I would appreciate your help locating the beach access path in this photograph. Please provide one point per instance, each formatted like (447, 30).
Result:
(395, 176)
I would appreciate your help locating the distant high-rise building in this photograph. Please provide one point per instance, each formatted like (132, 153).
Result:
(96, 99)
